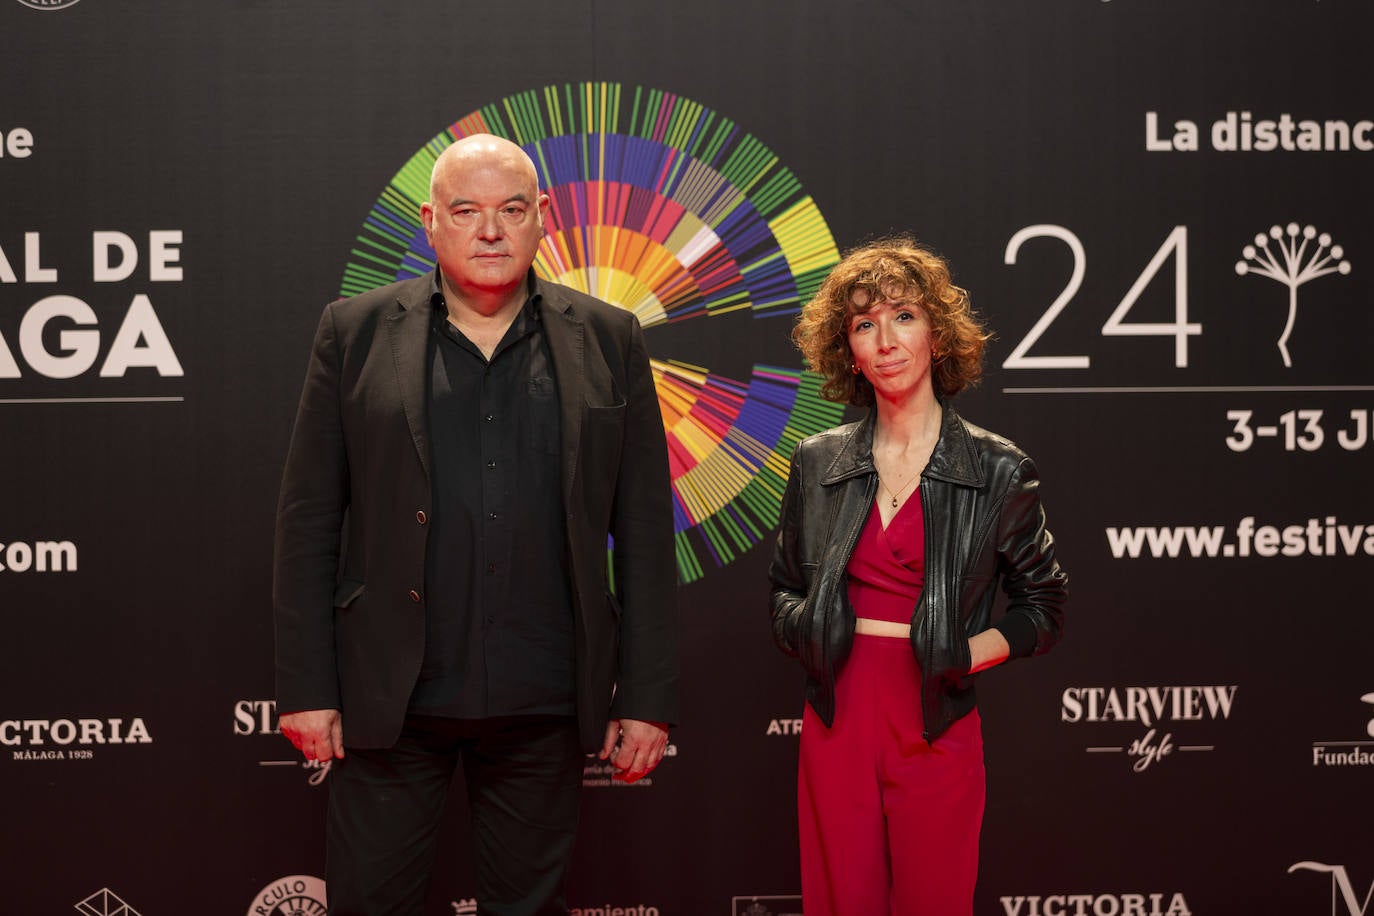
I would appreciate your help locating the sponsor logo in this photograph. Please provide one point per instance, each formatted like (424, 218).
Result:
(68, 739)
(1172, 904)
(1287, 266)
(775, 905)
(1316, 538)
(16, 143)
(465, 907)
(1154, 708)
(1343, 899)
(254, 718)
(597, 774)
(37, 556)
(294, 895)
(1346, 753)
(1240, 131)
(105, 902)
(784, 727)
(49, 5)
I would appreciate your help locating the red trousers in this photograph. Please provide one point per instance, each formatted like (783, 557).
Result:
(889, 824)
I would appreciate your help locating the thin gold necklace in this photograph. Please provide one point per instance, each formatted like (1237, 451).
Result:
(914, 478)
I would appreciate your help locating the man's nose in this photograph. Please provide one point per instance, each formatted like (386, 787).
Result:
(489, 226)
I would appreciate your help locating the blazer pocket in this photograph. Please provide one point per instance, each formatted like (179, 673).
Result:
(347, 592)
(607, 413)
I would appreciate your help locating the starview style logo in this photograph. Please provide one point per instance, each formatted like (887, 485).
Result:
(1153, 708)
(1340, 753)
(254, 718)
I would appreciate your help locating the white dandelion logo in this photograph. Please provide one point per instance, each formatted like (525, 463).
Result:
(1287, 266)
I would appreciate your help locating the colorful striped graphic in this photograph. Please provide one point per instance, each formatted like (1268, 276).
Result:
(664, 208)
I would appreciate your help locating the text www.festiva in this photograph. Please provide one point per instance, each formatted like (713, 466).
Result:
(1316, 537)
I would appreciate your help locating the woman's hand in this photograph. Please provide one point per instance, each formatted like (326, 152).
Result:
(987, 649)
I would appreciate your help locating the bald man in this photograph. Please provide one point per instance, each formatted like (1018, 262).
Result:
(465, 444)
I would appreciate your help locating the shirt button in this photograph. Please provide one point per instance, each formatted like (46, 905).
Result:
(414, 596)
(421, 517)
(491, 464)
(489, 418)
(492, 516)
(491, 568)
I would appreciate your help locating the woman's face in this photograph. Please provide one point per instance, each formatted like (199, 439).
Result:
(891, 344)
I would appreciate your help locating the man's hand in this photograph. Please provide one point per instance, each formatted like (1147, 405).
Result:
(634, 747)
(316, 733)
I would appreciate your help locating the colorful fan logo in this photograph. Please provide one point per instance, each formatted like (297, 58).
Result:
(666, 209)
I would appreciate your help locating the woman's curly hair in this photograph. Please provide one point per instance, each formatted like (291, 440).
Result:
(893, 269)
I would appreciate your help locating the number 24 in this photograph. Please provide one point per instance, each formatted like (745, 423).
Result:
(1180, 328)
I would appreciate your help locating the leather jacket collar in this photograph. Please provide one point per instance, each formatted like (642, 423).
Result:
(954, 459)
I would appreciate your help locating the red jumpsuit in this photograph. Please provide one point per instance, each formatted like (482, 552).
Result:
(889, 823)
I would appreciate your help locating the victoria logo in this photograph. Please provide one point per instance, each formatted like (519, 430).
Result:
(1286, 265)
(1342, 890)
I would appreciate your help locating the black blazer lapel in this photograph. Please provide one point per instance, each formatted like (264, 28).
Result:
(567, 348)
(408, 330)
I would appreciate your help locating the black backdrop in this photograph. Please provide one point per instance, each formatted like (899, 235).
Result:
(182, 187)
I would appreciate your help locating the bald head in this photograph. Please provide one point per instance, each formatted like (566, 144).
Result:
(480, 151)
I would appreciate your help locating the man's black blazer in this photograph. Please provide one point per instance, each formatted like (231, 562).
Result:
(349, 569)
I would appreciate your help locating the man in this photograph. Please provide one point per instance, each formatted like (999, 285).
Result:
(465, 444)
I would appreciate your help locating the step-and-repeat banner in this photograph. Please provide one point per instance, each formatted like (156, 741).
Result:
(1163, 208)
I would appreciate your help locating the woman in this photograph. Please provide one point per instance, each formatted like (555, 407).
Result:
(895, 532)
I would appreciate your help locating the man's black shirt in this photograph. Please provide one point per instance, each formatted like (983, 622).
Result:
(499, 626)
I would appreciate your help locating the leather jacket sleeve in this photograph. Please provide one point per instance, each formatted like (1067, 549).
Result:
(1032, 579)
(789, 575)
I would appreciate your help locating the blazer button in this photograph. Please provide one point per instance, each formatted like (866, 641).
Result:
(421, 517)
(414, 596)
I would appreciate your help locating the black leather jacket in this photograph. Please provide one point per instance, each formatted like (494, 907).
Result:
(983, 522)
